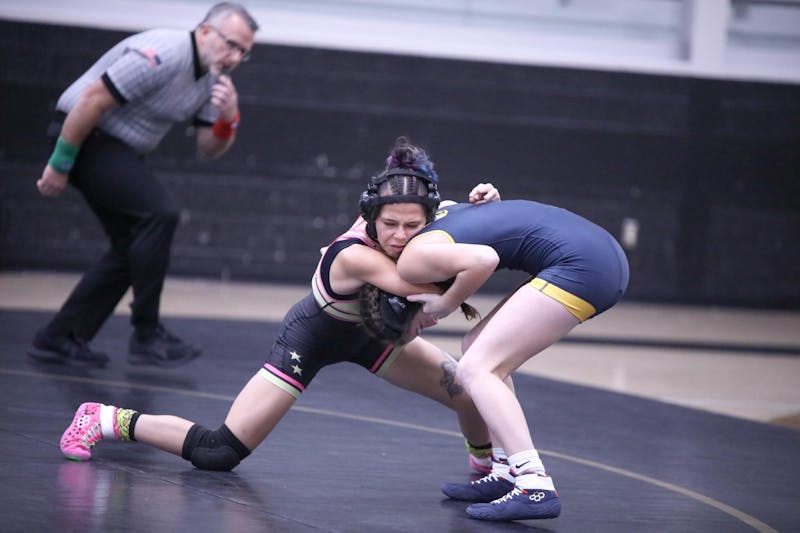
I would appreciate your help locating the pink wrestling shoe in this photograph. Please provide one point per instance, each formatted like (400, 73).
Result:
(481, 465)
(83, 433)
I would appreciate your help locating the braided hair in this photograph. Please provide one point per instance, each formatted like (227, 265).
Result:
(387, 316)
(409, 177)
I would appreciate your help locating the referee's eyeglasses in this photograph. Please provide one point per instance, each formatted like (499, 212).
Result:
(233, 46)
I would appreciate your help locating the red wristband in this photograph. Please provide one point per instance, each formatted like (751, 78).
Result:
(225, 129)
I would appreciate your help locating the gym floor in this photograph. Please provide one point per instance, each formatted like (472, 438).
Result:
(649, 418)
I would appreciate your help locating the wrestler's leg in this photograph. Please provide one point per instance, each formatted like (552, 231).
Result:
(423, 368)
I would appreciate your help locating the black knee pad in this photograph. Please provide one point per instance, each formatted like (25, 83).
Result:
(213, 450)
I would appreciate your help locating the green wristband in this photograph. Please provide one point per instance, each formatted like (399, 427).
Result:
(63, 156)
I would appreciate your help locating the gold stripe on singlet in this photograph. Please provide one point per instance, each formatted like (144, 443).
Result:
(577, 306)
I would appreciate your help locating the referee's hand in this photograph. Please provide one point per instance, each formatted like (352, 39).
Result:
(52, 182)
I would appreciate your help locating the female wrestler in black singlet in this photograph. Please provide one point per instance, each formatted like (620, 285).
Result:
(322, 329)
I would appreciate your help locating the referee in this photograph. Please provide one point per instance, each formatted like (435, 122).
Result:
(106, 121)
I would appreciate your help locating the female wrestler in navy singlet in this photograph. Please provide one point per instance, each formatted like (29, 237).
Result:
(322, 329)
(578, 270)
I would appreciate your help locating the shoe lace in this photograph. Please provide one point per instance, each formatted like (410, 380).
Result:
(162, 333)
(488, 478)
(514, 492)
(83, 350)
(91, 434)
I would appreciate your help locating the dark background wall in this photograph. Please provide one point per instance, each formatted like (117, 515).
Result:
(709, 169)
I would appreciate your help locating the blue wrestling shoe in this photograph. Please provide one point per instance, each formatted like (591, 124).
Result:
(519, 504)
(483, 490)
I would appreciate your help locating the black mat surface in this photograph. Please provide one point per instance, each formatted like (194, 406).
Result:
(356, 454)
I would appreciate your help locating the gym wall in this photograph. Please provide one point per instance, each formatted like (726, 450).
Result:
(698, 178)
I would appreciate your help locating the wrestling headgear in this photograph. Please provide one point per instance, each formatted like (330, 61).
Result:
(370, 202)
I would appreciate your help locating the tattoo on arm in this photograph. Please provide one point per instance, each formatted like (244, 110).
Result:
(448, 380)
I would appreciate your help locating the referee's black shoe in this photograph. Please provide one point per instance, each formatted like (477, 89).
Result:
(159, 347)
(66, 350)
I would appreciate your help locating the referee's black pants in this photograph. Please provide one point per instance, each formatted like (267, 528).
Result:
(139, 216)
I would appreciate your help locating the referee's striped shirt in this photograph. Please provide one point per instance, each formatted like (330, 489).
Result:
(157, 78)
